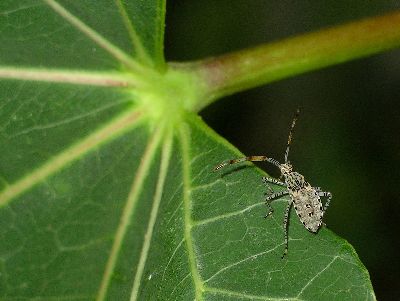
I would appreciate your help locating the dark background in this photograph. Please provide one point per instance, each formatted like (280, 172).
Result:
(347, 137)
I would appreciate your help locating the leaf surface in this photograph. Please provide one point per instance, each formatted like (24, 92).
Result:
(100, 200)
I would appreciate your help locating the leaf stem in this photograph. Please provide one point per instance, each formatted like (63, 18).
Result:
(238, 71)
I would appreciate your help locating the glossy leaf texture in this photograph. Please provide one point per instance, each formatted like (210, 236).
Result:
(99, 202)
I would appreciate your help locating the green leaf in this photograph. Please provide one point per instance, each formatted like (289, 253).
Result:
(106, 183)
(81, 34)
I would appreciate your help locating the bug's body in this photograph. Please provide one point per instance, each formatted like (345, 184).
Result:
(305, 198)
(308, 206)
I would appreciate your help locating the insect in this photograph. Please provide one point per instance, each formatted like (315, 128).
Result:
(305, 198)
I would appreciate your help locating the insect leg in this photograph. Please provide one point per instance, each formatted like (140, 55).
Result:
(285, 225)
(276, 195)
(271, 191)
(267, 180)
(270, 198)
(250, 158)
(328, 195)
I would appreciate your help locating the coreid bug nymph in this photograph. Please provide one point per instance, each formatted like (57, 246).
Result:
(305, 198)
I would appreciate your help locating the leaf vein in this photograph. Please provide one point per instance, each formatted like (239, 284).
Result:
(179, 283)
(246, 296)
(136, 42)
(95, 36)
(171, 257)
(81, 77)
(254, 256)
(127, 212)
(231, 214)
(319, 273)
(166, 155)
(115, 127)
(188, 223)
(66, 121)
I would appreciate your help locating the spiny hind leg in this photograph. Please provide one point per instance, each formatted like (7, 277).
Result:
(272, 197)
(325, 194)
(285, 226)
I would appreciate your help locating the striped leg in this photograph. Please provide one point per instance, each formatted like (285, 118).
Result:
(285, 226)
(272, 197)
(328, 195)
(267, 180)
(250, 158)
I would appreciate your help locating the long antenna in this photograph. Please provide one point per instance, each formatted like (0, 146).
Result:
(291, 134)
